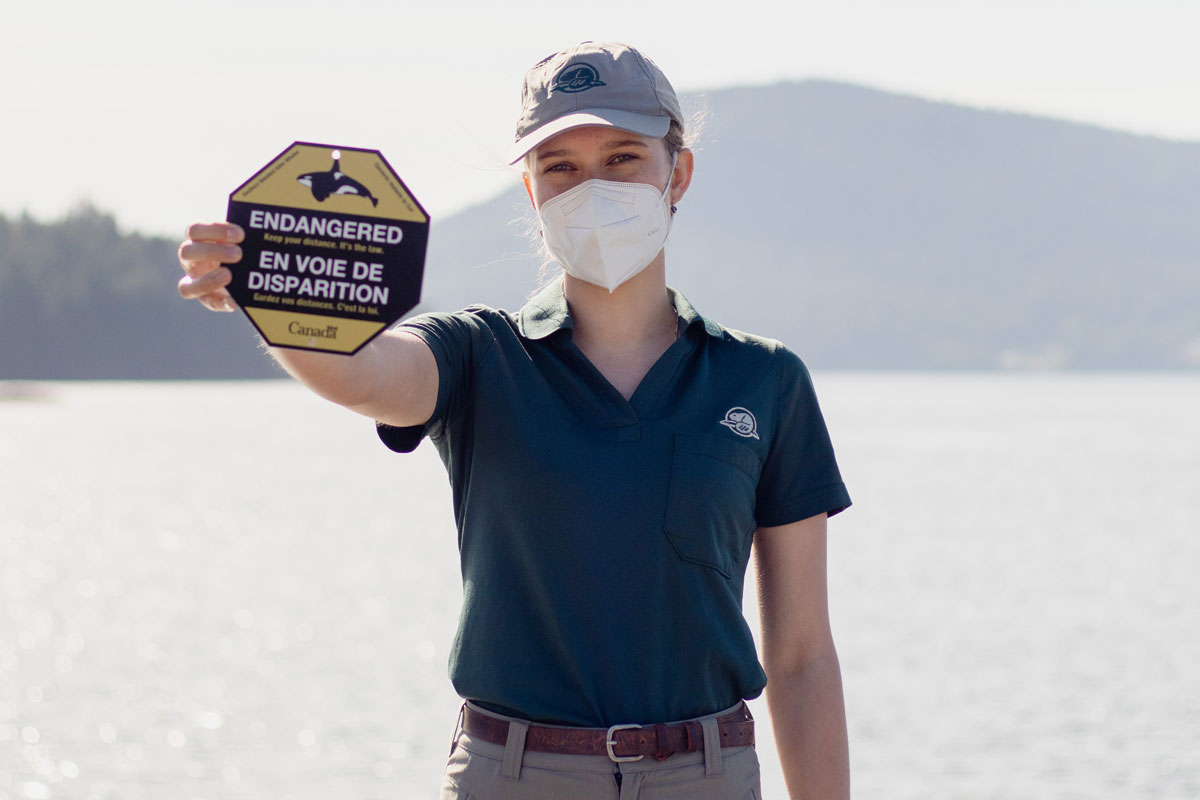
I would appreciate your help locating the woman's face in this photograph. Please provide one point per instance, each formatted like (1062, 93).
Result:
(610, 154)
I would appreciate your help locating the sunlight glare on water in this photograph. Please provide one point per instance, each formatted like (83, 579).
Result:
(232, 590)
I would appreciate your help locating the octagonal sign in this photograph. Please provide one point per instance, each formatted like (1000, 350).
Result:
(334, 250)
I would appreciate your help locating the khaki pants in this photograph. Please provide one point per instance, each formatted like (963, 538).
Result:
(480, 770)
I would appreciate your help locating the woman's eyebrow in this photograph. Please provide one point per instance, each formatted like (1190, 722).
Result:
(615, 144)
(625, 143)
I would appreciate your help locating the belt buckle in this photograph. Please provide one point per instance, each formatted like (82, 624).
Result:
(610, 741)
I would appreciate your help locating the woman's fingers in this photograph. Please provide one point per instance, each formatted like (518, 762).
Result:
(208, 246)
(209, 288)
(200, 257)
(215, 232)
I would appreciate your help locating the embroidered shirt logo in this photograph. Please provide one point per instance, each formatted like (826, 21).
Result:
(576, 77)
(741, 422)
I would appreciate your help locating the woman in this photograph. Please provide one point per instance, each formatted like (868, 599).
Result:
(612, 455)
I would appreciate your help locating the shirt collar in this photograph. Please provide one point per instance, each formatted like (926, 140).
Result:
(691, 317)
(547, 312)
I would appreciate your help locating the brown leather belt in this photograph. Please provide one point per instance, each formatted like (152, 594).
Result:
(620, 742)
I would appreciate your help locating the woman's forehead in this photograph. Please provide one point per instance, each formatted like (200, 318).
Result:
(591, 137)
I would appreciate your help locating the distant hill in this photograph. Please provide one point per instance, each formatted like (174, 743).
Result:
(80, 300)
(865, 229)
(873, 230)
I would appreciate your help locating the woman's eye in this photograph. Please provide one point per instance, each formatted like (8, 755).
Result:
(559, 167)
(622, 157)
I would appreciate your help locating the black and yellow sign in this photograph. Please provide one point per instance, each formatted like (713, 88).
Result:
(334, 249)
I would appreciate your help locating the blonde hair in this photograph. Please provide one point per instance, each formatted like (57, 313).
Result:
(676, 139)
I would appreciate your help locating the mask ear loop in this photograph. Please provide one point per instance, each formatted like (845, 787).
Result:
(670, 176)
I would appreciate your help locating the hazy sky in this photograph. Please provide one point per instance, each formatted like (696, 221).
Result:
(156, 109)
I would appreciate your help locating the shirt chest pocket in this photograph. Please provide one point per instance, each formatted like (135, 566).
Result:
(710, 503)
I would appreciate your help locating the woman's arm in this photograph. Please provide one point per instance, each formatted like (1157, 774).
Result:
(394, 379)
(804, 680)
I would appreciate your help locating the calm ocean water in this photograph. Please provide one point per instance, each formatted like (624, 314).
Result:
(230, 591)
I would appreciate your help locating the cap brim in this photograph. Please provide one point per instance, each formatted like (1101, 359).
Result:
(608, 117)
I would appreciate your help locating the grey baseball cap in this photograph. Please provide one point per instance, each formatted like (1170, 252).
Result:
(594, 83)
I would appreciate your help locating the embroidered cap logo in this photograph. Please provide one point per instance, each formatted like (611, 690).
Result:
(741, 422)
(576, 77)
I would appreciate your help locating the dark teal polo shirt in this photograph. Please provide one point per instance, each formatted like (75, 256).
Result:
(604, 541)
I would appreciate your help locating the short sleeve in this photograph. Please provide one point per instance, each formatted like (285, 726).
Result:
(459, 342)
(800, 477)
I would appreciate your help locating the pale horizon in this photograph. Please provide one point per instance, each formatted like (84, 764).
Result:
(106, 101)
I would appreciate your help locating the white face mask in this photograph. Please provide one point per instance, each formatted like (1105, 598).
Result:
(605, 232)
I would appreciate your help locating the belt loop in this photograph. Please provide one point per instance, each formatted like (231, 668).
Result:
(662, 743)
(514, 749)
(458, 726)
(713, 765)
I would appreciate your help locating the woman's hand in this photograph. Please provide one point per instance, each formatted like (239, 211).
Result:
(394, 379)
(201, 255)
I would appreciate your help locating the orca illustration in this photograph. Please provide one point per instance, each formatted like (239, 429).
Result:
(334, 181)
